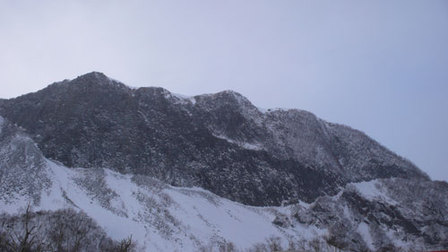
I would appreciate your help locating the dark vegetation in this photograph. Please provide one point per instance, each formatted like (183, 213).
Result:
(60, 231)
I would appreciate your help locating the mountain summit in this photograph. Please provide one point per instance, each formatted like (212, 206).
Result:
(220, 142)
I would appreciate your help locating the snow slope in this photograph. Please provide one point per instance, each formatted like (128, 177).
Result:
(158, 216)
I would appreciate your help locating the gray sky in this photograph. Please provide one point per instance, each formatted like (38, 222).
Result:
(378, 66)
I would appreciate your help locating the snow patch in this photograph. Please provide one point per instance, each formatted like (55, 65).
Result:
(271, 110)
(368, 189)
(245, 145)
(363, 230)
(184, 98)
(372, 190)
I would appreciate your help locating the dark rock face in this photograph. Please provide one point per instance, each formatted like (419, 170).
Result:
(220, 142)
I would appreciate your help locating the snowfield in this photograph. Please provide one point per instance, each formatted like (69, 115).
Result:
(158, 216)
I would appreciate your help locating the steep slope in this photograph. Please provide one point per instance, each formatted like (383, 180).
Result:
(389, 214)
(219, 142)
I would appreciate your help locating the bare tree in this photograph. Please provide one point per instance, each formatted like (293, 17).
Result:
(26, 240)
(126, 245)
(59, 231)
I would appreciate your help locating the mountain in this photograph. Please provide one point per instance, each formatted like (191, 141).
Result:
(382, 214)
(204, 173)
(219, 142)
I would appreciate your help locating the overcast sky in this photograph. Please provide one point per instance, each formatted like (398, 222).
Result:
(378, 66)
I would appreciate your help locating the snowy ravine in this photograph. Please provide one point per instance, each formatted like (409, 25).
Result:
(379, 214)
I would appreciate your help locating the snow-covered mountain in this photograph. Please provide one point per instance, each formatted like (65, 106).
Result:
(219, 142)
(208, 173)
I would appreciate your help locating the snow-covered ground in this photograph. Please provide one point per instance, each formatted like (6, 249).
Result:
(158, 216)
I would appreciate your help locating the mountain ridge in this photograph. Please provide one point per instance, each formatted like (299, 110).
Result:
(216, 139)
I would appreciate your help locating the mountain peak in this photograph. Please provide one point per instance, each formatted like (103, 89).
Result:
(97, 78)
(94, 75)
(225, 97)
